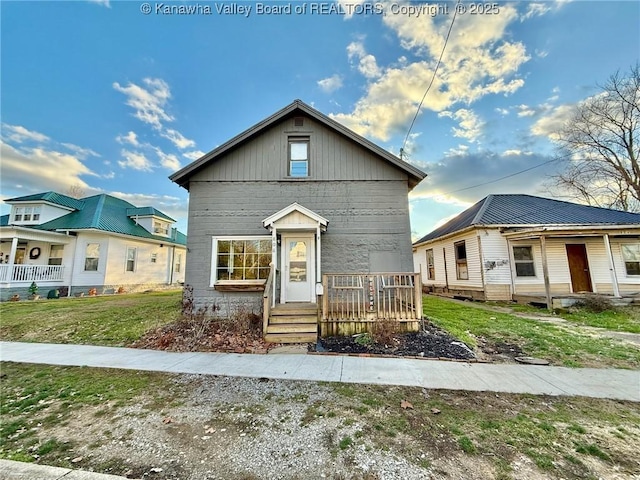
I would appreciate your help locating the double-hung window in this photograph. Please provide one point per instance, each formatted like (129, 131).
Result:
(631, 256)
(55, 254)
(431, 273)
(523, 259)
(298, 157)
(462, 272)
(92, 257)
(241, 259)
(131, 259)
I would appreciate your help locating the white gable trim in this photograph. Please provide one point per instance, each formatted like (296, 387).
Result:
(314, 222)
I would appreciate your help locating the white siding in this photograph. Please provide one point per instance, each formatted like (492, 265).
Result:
(496, 257)
(90, 279)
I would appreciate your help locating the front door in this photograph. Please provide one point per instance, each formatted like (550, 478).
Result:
(579, 267)
(298, 277)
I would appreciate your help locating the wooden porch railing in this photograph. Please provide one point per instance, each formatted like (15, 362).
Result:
(31, 273)
(267, 297)
(362, 297)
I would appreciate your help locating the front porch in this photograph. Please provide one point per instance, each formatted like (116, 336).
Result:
(346, 304)
(17, 275)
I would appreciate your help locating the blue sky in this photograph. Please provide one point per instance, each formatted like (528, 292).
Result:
(97, 96)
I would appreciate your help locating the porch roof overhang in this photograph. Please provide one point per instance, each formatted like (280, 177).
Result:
(311, 220)
(572, 231)
(25, 233)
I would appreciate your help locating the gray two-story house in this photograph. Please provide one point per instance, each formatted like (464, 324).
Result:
(297, 212)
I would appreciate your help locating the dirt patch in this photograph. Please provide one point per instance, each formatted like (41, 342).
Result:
(243, 428)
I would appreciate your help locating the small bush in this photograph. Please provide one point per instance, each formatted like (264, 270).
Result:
(383, 331)
(595, 304)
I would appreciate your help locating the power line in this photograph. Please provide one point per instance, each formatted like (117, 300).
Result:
(433, 77)
(503, 178)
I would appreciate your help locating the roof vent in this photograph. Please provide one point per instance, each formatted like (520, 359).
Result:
(298, 121)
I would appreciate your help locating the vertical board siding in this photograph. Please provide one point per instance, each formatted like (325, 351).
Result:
(332, 157)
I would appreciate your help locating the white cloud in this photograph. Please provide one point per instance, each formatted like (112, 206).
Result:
(104, 3)
(508, 153)
(19, 134)
(168, 161)
(177, 139)
(149, 101)
(480, 60)
(470, 124)
(502, 111)
(330, 84)
(525, 111)
(193, 155)
(367, 64)
(81, 152)
(549, 125)
(135, 161)
(131, 138)
(41, 170)
(535, 9)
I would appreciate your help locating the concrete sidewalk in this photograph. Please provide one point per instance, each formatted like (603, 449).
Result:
(432, 374)
(10, 470)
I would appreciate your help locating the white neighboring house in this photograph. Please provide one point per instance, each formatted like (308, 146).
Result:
(73, 245)
(522, 247)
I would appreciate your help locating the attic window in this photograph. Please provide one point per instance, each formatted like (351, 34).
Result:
(299, 157)
(298, 122)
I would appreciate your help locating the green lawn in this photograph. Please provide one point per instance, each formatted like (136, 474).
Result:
(562, 346)
(113, 320)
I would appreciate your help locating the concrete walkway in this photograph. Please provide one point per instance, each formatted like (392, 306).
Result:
(431, 374)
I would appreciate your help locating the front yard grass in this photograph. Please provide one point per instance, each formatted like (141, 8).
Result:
(559, 344)
(110, 320)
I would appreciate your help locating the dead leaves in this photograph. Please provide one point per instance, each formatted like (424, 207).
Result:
(405, 404)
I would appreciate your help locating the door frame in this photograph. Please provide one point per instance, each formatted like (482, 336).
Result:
(581, 250)
(311, 264)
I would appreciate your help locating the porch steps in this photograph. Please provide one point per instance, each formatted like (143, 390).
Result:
(293, 323)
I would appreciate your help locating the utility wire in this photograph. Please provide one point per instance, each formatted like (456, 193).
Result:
(433, 77)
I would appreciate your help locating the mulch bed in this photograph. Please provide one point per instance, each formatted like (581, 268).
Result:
(430, 342)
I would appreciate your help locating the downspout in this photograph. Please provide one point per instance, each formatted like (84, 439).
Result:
(173, 259)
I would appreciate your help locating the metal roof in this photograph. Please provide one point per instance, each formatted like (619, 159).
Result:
(528, 210)
(50, 197)
(148, 212)
(181, 177)
(106, 213)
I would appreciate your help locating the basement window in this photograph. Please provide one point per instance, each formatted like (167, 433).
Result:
(523, 259)
(462, 272)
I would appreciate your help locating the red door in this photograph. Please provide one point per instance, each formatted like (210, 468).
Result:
(579, 268)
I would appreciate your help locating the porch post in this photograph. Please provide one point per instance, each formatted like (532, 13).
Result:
(318, 256)
(274, 256)
(14, 248)
(612, 267)
(545, 272)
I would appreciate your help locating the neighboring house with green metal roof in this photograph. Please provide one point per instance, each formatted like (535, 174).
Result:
(73, 245)
(522, 247)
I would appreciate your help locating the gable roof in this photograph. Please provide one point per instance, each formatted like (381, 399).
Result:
(511, 210)
(181, 177)
(49, 197)
(148, 212)
(102, 212)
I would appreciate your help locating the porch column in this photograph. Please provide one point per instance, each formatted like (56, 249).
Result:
(274, 256)
(545, 272)
(318, 256)
(14, 248)
(612, 267)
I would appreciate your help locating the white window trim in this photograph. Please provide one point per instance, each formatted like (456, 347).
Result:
(86, 257)
(458, 261)
(433, 263)
(533, 262)
(214, 260)
(624, 261)
(135, 260)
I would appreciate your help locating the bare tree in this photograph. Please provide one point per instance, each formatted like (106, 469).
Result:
(76, 191)
(600, 147)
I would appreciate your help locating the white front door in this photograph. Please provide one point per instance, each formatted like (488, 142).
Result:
(298, 255)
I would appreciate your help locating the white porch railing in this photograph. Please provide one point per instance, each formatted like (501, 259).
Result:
(373, 296)
(31, 273)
